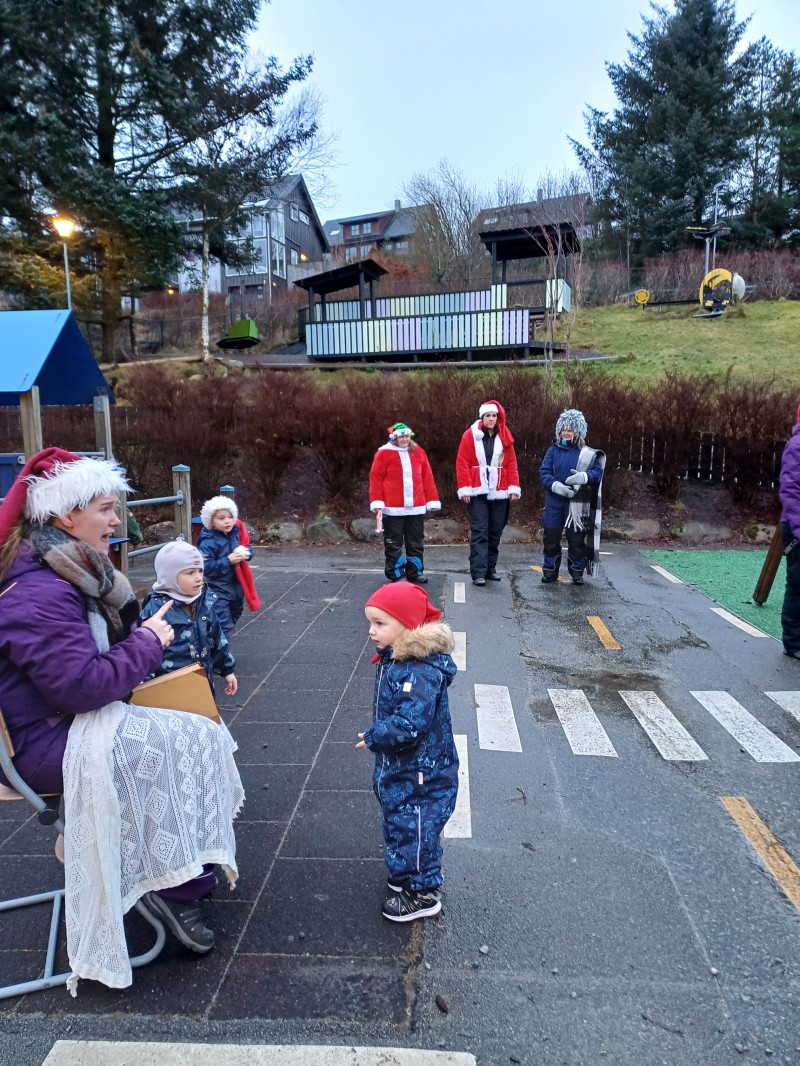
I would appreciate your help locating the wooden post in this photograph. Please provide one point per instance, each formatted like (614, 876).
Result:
(770, 568)
(122, 560)
(181, 484)
(102, 425)
(30, 414)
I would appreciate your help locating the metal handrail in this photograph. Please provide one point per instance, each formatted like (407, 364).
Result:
(177, 498)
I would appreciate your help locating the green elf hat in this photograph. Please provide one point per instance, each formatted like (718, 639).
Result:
(400, 429)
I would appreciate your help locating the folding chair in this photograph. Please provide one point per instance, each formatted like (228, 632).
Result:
(49, 814)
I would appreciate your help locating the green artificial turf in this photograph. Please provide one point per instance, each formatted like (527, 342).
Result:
(729, 577)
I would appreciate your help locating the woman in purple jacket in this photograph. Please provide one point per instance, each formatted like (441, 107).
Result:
(72, 643)
(790, 524)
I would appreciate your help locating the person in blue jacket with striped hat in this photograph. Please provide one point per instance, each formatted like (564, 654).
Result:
(572, 473)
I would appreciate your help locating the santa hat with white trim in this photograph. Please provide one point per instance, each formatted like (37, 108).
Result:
(217, 503)
(54, 482)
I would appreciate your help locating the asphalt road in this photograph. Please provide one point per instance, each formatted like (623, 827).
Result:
(602, 902)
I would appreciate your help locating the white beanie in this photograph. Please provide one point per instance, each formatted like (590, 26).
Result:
(172, 560)
(217, 503)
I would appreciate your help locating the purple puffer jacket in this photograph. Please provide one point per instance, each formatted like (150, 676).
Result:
(790, 482)
(50, 668)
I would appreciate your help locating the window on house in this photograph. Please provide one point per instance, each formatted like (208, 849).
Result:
(278, 259)
(366, 249)
(293, 259)
(259, 225)
(294, 212)
(367, 228)
(354, 230)
(350, 253)
(402, 245)
(277, 221)
(304, 218)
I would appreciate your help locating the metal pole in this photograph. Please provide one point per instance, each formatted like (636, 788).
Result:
(66, 275)
(102, 425)
(716, 213)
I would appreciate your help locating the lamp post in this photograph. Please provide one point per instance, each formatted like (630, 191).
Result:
(65, 227)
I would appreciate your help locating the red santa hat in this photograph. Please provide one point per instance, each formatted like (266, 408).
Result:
(406, 602)
(491, 407)
(54, 482)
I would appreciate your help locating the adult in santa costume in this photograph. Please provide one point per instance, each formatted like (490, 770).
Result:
(401, 492)
(149, 795)
(487, 478)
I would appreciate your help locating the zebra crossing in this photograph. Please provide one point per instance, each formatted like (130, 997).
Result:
(585, 734)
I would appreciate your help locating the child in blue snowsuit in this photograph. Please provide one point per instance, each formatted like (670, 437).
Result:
(567, 467)
(416, 764)
(219, 545)
(198, 634)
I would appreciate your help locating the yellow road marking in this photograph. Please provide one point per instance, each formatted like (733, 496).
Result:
(603, 632)
(774, 856)
(563, 580)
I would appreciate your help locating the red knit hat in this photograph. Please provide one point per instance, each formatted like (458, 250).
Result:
(407, 603)
(54, 482)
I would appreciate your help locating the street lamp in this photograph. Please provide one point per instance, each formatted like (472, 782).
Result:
(65, 227)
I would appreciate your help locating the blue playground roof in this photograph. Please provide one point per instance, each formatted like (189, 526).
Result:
(47, 349)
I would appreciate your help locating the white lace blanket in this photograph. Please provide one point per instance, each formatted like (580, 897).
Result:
(149, 797)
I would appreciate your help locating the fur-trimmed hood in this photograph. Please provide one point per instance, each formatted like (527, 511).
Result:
(431, 638)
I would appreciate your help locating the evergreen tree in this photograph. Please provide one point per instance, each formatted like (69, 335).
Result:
(99, 100)
(674, 135)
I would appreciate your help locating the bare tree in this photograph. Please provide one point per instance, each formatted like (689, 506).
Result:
(559, 219)
(445, 206)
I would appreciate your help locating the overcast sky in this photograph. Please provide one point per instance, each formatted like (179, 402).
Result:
(496, 86)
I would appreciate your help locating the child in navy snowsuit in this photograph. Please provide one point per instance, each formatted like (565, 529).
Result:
(198, 634)
(222, 552)
(416, 764)
(566, 469)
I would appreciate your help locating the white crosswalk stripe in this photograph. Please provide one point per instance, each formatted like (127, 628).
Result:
(460, 824)
(497, 727)
(790, 701)
(460, 651)
(754, 737)
(663, 728)
(459, 592)
(584, 732)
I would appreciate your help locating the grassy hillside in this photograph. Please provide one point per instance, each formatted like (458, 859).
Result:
(759, 340)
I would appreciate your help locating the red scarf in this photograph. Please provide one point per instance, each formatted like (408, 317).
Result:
(245, 574)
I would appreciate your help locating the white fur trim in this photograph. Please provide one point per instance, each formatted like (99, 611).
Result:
(71, 487)
(217, 503)
(434, 505)
(487, 409)
(377, 505)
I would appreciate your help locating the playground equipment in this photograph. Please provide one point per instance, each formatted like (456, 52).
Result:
(242, 334)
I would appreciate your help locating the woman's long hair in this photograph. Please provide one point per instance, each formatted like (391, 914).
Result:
(10, 550)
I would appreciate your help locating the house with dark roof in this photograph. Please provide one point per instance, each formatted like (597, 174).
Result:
(360, 235)
(286, 234)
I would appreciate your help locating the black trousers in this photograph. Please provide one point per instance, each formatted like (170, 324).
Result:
(576, 552)
(487, 520)
(790, 616)
(403, 540)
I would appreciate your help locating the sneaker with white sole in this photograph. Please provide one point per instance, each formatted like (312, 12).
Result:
(406, 906)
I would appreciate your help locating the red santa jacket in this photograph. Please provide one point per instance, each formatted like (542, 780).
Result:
(401, 481)
(474, 477)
